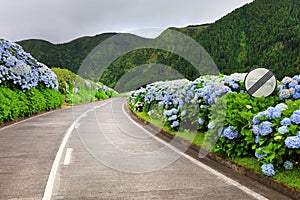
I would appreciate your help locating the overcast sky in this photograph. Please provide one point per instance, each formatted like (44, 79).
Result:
(60, 21)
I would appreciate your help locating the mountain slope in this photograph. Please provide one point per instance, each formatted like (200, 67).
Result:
(68, 55)
(264, 33)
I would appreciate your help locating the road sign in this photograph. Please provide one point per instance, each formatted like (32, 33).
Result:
(260, 82)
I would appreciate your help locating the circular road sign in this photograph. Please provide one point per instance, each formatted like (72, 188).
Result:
(260, 82)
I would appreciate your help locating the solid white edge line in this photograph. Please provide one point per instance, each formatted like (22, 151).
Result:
(30, 118)
(200, 164)
(77, 125)
(38, 115)
(50, 183)
(68, 154)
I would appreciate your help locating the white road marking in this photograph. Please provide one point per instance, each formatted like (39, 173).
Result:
(200, 164)
(30, 118)
(52, 175)
(77, 125)
(68, 156)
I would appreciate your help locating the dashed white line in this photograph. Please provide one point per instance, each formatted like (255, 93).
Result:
(68, 156)
(53, 172)
(200, 164)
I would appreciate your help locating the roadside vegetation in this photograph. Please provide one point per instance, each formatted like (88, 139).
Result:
(28, 87)
(214, 112)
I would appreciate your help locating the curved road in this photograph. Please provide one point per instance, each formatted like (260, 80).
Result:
(96, 151)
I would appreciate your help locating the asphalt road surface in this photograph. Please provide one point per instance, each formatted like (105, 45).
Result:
(96, 151)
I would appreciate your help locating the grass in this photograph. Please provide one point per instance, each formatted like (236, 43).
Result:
(195, 138)
(288, 177)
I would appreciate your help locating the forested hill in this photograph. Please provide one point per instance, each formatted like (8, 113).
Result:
(68, 55)
(264, 33)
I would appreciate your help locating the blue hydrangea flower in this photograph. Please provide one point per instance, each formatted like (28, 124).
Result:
(229, 133)
(285, 122)
(296, 95)
(174, 111)
(201, 121)
(255, 130)
(265, 128)
(276, 113)
(295, 119)
(211, 125)
(267, 114)
(257, 141)
(257, 155)
(281, 106)
(286, 80)
(293, 83)
(255, 120)
(175, 124)
(283, 130)
(293, 142)
(172, 118)
(268, 169)
(296, 112)
(168, 113)
(284, 94)
(288, 165)
(183, 113)
(235, 86)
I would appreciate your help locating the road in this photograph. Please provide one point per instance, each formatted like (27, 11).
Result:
(95, 151)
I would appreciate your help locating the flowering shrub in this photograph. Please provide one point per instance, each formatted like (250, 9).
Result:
(26, 86)
(190, 99)
(78, 90)
(22, 70)
(293, 142)
(290, 88)
(264, 128)
(236, 138)
(268, 169)
(277, 135)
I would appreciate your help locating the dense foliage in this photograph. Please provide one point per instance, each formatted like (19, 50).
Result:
(264, 33)
(139, 57)
(69, 55)
(16, 103)
(242, 126)
(26, 86)
(78, 90)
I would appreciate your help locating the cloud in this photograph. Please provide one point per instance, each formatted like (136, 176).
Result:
(62, 20)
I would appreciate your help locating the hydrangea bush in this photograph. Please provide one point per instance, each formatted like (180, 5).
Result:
(190, 100)
(79, 90)
(290, 88)
(26, 86)
(263, 128)
(22, 70)
(276, 131)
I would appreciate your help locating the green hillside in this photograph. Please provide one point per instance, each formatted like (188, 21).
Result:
(68, 55)
(264, 33)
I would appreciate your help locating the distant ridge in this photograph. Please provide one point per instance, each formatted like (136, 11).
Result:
(264, 33)
(66, 55)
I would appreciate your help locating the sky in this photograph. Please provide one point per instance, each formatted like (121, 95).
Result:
(60, 21)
